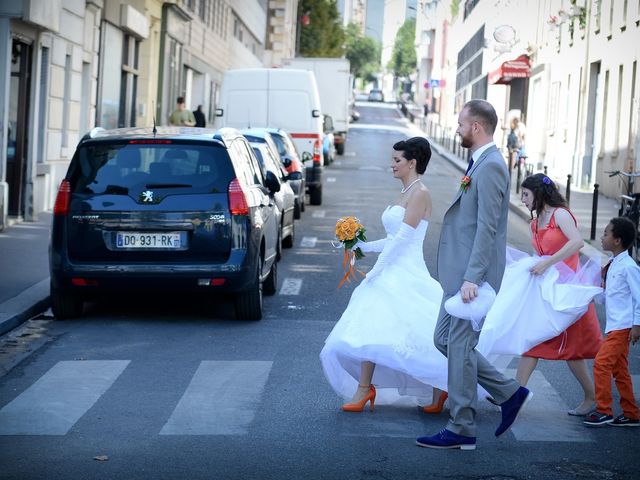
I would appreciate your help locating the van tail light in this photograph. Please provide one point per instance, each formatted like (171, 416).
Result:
(61, 207)
(317, 152)
(237, 201)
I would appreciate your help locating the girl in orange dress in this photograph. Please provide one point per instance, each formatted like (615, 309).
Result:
(554, 233)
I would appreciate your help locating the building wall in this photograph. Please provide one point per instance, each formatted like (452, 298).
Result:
(569, 107)
(73, 61)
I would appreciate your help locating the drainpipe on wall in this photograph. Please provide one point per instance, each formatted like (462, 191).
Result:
(5, 67)
(576, 165)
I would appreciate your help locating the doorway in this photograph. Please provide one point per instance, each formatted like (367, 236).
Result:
(17, 126)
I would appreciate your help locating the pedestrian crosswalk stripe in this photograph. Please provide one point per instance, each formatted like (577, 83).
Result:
(221, 399)
(291, 286)
(318, 214)
(544, 418)
(308, 242)
(56, 401)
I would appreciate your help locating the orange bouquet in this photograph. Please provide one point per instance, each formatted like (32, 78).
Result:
(348, 231)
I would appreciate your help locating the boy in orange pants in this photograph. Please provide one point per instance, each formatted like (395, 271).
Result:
(621, 281)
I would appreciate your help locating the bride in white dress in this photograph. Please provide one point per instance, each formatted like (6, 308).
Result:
(383, 343)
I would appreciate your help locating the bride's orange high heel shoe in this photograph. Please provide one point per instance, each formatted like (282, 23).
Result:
(437, 406)
(359, 406)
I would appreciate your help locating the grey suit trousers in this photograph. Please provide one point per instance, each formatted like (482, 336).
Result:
(457, 340)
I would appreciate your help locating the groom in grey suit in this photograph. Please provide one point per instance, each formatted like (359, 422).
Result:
(472, 250)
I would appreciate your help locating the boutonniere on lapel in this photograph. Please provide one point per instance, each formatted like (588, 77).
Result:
(465, 183)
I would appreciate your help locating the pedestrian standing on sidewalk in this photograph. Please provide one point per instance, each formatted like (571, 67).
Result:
(555, 237)
(181, 116)
(621, 282)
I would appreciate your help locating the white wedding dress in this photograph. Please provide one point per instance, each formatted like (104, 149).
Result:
(390, 321)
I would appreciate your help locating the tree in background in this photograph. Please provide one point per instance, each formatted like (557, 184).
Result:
(403, 59)
(321, 34)
(363, 53)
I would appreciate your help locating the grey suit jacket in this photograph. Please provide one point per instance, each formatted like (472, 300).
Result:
(473, 239)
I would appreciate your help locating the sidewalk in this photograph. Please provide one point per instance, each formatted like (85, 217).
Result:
(580, 202)
(24, 271)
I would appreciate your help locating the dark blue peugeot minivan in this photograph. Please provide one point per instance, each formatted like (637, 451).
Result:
(164, 210)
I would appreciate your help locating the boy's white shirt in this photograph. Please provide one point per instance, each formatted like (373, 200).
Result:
(622, 293)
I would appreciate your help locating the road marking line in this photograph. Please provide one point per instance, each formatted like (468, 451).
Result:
(221, 399)
(308, 242)
(58, 399)
(337, 163)
(331, 179)
(373, 168)
(318, 214)
(291, 286)
(349, 154)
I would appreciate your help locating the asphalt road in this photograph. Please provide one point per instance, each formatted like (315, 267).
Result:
(160, 388)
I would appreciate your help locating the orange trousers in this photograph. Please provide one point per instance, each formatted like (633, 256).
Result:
(612, 360)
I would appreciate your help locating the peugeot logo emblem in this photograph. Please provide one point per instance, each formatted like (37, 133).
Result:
(147, 196)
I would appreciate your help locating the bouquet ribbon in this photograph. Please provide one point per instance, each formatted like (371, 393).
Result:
(348, 263)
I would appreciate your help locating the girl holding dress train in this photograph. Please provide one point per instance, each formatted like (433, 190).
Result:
(385, 335)
(555, 235)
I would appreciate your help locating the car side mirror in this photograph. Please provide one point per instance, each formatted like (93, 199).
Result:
(306, 156)
(286, 161)
(294, 176)
(271, 182)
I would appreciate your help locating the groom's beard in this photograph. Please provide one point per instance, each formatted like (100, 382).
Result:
(465, 142)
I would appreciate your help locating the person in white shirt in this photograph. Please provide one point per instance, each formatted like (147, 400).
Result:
(621, 281)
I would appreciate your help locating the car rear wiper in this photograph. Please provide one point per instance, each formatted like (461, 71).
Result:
(167, 185)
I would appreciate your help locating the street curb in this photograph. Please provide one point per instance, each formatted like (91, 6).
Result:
(23, 306)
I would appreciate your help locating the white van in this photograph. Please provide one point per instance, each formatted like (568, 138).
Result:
(278, 98)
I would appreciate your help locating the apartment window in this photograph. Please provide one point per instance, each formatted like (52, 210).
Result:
(552, 111)
(633, 107)
(625, 5)
(616, 141)
(604, 115)
(597, 15)
(67, 98)
(129, 82)
(567, 105)
(85, 97)
(202, 10)
(611, 10)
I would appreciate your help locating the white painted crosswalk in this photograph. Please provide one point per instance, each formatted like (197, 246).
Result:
(53, 404)
(222, 398)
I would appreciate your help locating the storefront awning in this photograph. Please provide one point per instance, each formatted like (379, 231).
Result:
(518, 68)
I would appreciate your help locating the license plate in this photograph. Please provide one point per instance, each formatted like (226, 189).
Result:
(168, 240)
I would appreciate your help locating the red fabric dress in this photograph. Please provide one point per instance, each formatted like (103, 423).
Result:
(582, 339)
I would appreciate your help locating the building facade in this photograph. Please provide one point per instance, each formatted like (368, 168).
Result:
(70, 65)
(565, 68)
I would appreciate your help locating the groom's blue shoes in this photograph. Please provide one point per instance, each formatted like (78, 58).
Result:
(511, 408)
(447, 439)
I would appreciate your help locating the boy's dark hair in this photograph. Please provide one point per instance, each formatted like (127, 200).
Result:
(180, 100)
(624, 229)
(415, 148)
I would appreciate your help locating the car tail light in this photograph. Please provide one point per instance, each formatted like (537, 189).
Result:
(146, 142)
(237, 201)
(317, 152)
(213, 282)
(63, 198)
(83, 282)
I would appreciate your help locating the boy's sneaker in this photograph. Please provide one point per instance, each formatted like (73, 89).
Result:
(596, 419)
(622, 421)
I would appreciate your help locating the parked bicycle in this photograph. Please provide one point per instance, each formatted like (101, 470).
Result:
(630, 207)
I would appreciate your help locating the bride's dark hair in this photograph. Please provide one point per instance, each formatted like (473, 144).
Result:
(545, 192)
(415, 148)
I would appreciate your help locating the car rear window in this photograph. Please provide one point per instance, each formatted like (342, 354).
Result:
(121, 167)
